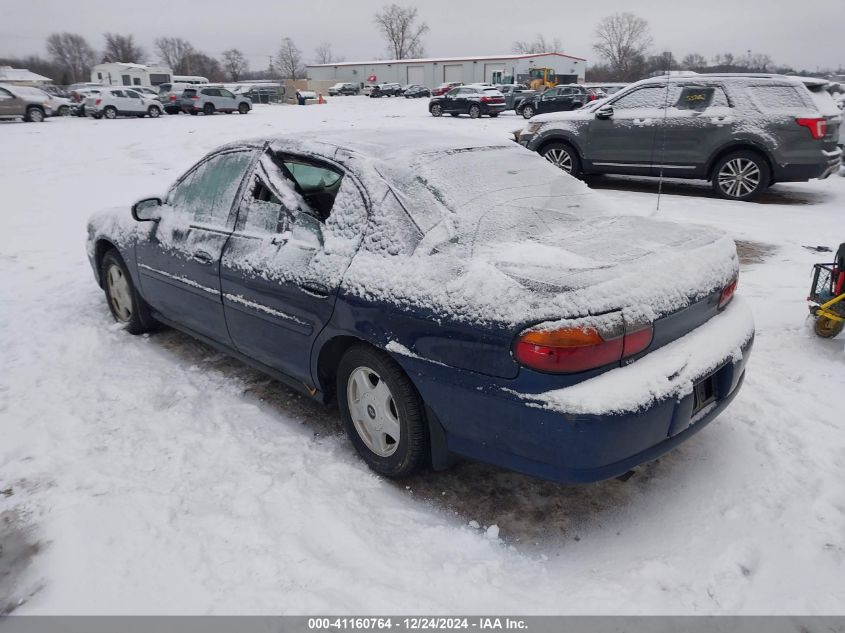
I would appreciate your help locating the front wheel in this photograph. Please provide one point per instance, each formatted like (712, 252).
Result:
(436, 110)
(126, 305)
(827, 327)
(528, 111)
(154, 112)
(562, 155)
(382, 411)
(741, 176)
(34, 115)
(64, 110)
(243, 108)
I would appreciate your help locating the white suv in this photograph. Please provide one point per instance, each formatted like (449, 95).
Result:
(113, 102)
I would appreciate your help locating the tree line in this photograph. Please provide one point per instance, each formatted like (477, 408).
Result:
(623, 42)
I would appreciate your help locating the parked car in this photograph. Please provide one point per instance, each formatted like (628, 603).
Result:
(415, 92)
(557, 99)
(111, 103)
(386, 90)
(147, 91)
(170, 95)
(23, 102)
(514, 94)
(79, 96)
(472, 100)
(443, 88)
(740, 132)
(60, 106)
(344, 89)
(462, 297)
(209, 100)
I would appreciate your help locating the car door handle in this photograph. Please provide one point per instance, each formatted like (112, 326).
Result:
(202, 257)
(721, 120)
(315, 289)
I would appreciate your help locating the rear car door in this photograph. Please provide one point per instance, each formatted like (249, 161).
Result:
(279, 281)
(699, 119)
(179, 264)
(624, 142)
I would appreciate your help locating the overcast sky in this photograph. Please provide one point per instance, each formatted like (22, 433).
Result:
(803, 34)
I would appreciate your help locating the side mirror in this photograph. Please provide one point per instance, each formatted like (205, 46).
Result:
(146, 210)
(605, 112)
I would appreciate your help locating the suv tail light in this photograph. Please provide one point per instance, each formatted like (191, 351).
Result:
(172, 98)
(98, 102)
(570, 350)
(195, 96)
(728, 293)
(817, 127)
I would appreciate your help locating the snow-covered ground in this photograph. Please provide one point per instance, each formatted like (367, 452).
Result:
(154, 475)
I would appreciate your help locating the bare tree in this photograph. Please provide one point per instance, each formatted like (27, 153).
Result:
(398, 26)
(623, 39)
(289, 60)
(694, 61)
(538, 45)
(122, 48)
(234, 63)
(198, 63)
(73, 54)
(176, 53)
(323, 54)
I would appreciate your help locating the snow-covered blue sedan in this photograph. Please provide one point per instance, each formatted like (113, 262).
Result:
(456, 296)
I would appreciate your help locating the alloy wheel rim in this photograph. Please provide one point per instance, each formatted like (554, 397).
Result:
(559, 158)
(373, 410)
(435, 110)
(474, 112)
(110, 114)
(36, 115)
(739, 177)
(119, 295)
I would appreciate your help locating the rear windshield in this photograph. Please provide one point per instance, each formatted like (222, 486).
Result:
(189, 92)
(823, 100)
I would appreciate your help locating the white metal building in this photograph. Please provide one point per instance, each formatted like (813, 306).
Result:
(22, 77)
(432, 72)
(123, 74)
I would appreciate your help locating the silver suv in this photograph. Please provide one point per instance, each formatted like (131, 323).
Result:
(23, 102)
(211, 99)
(741, 132)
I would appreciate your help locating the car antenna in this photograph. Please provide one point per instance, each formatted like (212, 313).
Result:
(663, 139)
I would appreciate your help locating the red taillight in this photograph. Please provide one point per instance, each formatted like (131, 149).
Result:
(172, 98)
(195, 97)
(817, 127)
(591, 97)
(98, 102)
(572, 350)
(728, 293)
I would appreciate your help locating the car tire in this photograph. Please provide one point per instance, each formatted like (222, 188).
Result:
(827, 328)
(377, 400)
(527, 111)
(243, 108)
(563, 156)
(110, 112)
(742, 175)
(34, 114)
(126, 305)
(474, 112)
(436, 110)
(64, 110)
(208, 109)
(154, 112)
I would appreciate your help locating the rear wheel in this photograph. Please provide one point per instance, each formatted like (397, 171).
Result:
(562, 155)
(741, 176)
(126, 305)
(827, 328)
(208, 109)
(34, 114)
(383, 412)
(474, 112)
(436, 110)
(110, 112)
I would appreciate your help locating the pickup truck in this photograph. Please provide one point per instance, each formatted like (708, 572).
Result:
(515, 94)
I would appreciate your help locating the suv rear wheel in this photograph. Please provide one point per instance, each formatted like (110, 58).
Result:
(474, 112)
(741, 175)
(208, 109)
(562, 155)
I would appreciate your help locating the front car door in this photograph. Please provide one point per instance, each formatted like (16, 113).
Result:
(227, 101)
(134, 102)
(179, 264)
(283, 265)
(451, 100)
(547, 101)
(10, 105)
(624, 142)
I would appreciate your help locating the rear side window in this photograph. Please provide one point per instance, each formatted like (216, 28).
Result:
(777, 98)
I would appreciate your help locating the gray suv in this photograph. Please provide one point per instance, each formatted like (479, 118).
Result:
(211, 99)
(741, 132)
(29, 104)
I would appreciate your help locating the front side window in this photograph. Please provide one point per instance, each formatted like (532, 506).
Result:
(648, 97)
(226, 93)
(133, 94)
(207, 193)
